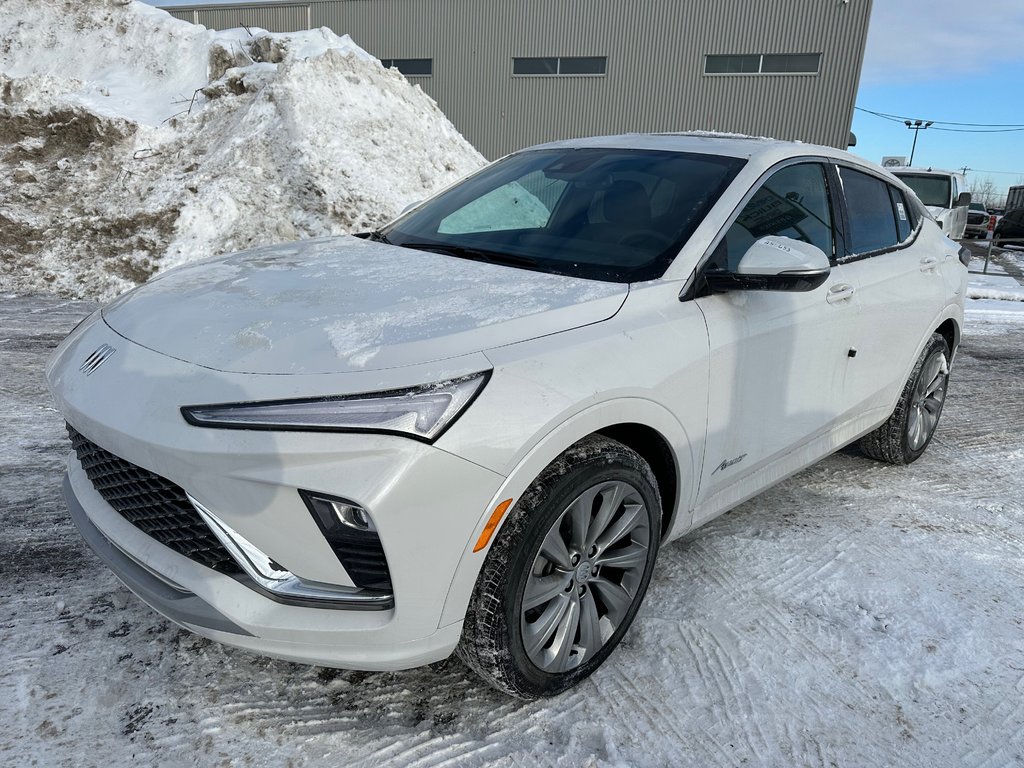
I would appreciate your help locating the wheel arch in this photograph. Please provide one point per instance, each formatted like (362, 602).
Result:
(656, 451)
(642, 425)
(949, 329)
(947, 324)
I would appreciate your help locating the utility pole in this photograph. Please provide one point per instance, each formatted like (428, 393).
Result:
(916, 126)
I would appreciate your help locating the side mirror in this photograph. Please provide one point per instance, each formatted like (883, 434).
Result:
(774, 264)
(409, 207)
(963, 199)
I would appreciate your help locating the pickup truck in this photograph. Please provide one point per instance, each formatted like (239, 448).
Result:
(943, 194)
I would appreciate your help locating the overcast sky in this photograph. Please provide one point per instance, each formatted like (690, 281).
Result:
(943, 60)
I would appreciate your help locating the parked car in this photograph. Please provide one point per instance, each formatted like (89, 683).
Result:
(943, 192)
(472, 430)
(977, 221)
(1010, 229)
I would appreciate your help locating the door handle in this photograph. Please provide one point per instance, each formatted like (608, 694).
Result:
(928, 263)
(839, 292)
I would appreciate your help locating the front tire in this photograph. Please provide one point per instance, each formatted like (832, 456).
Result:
(567, 573)
(906, 434)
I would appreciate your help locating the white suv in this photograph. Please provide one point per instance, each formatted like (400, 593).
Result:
(472, 430)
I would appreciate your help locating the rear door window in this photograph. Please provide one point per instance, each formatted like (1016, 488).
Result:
(871, 212)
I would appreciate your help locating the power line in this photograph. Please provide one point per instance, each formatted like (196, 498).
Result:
(963, 127)
(1008, 173)
(979, 130)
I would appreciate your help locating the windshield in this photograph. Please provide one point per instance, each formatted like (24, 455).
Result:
(978, 207)
(933, 190)
(620, 215)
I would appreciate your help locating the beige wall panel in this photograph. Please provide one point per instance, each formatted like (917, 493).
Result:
(655, 77)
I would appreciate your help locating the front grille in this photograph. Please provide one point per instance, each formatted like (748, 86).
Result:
(154, 505)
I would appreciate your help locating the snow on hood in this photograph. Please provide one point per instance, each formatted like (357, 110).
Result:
(131, 142)
(333, 305)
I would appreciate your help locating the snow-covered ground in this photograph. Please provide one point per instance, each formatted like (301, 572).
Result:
(131, 141)
(857, 614)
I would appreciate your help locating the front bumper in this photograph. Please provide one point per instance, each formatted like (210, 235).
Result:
(425, 502)
(365, 642)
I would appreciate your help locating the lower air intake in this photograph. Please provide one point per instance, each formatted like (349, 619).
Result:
(151, 503)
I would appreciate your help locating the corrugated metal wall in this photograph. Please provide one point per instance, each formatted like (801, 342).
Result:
(655, 50)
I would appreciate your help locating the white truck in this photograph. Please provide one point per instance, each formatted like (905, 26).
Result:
(943, 194)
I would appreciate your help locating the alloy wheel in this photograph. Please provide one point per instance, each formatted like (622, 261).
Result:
(585, 577)
(929, 395)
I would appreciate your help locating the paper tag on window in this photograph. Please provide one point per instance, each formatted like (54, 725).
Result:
(901, 211)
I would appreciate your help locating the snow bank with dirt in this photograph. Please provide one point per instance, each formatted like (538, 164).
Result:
(131, 142)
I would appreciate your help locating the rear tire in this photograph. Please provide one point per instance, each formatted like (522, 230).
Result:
(907, 432)
(567, 572)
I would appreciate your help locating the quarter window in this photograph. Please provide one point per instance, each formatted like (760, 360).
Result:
(411, 67)
(872, 220)
(792, 203)
(560, 65)
(904, 215)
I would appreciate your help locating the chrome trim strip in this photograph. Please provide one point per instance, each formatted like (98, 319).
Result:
(283, 584)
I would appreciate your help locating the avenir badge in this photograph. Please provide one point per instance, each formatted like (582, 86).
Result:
(99, 356)
(726, 463)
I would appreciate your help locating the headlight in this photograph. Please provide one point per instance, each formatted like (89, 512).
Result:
(421, 412)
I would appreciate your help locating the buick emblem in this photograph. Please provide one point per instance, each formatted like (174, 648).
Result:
(101, 354)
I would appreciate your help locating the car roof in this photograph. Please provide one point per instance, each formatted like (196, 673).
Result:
(701, 142)
(761, 150)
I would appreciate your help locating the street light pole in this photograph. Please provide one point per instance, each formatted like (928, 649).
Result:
(916, 126)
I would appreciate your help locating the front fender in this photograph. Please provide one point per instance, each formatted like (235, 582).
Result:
(632, 410)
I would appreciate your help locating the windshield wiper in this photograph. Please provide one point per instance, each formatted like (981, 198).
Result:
(474, 254)
(375, 235)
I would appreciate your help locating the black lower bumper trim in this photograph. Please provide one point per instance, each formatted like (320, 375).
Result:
(178, 605)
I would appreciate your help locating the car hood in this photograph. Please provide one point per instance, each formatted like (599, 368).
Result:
(340, 304)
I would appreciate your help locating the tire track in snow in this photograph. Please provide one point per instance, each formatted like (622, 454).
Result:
(733, 705)
(1010, 750)
(630, 702)
(826, 686)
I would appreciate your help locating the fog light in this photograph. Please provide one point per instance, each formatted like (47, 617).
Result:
(351, 533)
(334, 511)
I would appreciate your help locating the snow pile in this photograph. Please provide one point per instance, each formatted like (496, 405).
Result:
(991, 293)
(131, 142)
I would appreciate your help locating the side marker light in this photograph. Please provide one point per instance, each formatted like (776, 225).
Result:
(492, 525)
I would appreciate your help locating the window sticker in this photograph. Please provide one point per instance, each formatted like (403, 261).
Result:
(769, 213)
(901, 211)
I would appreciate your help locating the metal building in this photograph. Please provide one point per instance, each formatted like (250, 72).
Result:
(510, 73)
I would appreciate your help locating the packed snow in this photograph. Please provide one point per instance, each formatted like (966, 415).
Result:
(856, 615)
(131, 142)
